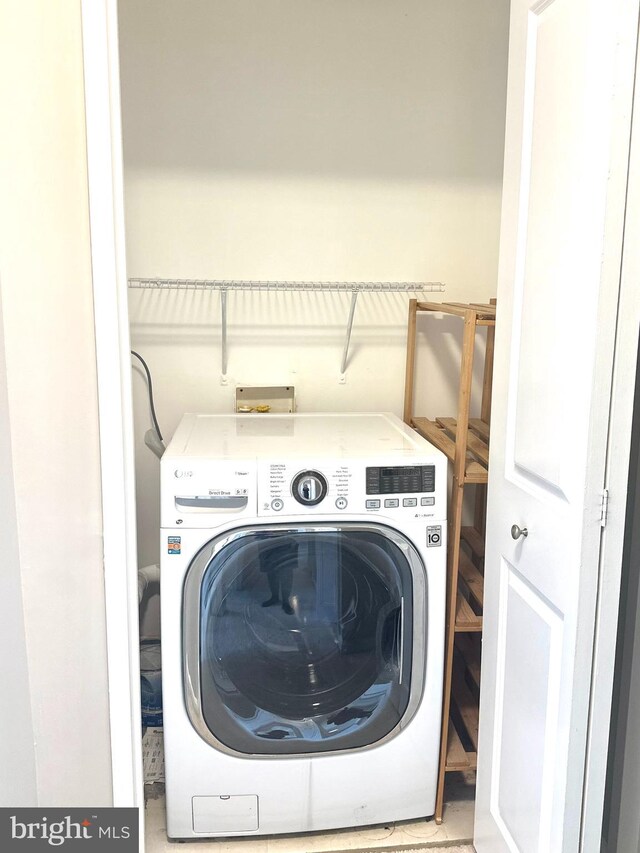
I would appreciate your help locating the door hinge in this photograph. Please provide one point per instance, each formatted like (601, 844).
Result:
(604, 507)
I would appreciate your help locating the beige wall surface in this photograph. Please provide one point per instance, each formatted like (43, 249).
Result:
(306, 140)
(46, 288)
(18, 786)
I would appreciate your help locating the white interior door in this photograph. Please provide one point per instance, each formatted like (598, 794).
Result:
(570, 75)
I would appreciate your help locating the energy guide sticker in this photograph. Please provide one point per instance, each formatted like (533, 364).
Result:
(173, 544)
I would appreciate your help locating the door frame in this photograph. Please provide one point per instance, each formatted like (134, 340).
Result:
(115, 412)
(106, 190)
(627, 325)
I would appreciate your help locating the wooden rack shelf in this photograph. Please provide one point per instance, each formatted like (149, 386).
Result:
(462, 731)
(465, 442)
(466, 619)
(442, 433)
(469, 653)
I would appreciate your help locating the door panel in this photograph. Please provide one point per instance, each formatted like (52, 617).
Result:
(527, 694)
(566, 146)
(549, 251)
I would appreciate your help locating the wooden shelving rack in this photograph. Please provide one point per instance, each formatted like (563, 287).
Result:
(465, 442)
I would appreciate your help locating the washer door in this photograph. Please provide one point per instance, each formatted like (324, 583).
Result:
(299, 640)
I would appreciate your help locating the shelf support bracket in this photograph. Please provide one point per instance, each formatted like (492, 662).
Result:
(352, 311)
(223, 334)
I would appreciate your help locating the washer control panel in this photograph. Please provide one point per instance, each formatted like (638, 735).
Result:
(323, 487)
(291, 488)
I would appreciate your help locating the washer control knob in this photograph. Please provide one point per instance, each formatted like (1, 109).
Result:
(309, 487)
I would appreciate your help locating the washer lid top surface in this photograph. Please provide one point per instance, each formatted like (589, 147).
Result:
(285, 436)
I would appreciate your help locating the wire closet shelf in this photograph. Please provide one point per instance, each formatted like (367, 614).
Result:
(346, 286)
(352, 287)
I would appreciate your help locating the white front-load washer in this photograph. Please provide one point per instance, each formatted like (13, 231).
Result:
(303, 597)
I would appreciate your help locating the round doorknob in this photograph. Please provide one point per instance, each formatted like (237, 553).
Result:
(517, 532)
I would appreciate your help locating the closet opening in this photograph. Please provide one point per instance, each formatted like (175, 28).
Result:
(302, 142)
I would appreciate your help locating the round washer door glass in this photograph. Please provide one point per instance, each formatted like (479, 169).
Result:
(304, 640)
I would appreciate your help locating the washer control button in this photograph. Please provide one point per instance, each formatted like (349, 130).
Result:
(341, 503)
(372, 504)
(427, 501)
(392, 502)
(409, 501)
(277, 504)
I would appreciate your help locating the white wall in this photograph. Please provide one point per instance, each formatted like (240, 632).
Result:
(17, 752)
(46, 290)
(310, 140)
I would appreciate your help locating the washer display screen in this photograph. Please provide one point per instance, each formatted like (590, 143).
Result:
(402, 479)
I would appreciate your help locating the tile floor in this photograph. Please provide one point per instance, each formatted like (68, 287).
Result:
(454, 834)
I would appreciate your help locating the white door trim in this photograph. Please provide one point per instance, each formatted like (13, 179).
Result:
(106, 212)
(616, 482)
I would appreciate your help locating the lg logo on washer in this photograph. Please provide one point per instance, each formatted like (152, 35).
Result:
(178, 474)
